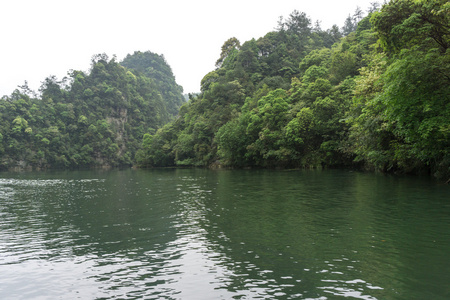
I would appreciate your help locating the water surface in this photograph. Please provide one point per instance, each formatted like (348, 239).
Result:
(202, 234)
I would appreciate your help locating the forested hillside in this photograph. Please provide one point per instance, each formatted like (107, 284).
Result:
(373, 94)
(89, 119)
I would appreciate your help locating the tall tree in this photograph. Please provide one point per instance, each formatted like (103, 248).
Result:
(230, 46)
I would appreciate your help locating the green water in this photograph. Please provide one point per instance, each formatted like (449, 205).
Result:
(202, 234)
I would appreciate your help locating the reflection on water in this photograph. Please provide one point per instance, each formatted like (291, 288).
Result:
(201, 234)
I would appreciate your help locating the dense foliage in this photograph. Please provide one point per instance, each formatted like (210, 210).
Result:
(89, 119)
(374, 93)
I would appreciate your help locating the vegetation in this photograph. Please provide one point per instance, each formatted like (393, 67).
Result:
(93, 119)
(373, 94)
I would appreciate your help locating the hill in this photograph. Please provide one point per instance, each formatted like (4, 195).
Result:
(89, 119)
(374, 94)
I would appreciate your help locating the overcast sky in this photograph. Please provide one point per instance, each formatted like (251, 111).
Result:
(40, 38)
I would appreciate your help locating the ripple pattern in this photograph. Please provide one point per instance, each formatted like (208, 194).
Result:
(201, 234)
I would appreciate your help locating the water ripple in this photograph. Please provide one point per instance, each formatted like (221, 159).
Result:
(198, 234)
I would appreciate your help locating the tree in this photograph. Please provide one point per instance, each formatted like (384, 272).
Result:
(229, 47)
(232, 143)
(374, 6)
(403, 122)
(349, 26)
(357, 15)
(405, 23)
(416, 97)
(298, 23)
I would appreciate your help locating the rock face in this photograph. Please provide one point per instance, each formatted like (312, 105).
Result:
(117, 123)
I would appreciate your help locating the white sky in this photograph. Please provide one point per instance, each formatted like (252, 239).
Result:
(39, 38)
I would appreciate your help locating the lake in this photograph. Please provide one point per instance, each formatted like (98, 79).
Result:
(223, 234)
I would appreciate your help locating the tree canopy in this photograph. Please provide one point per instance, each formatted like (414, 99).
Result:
(374, 94)
(89, 119)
